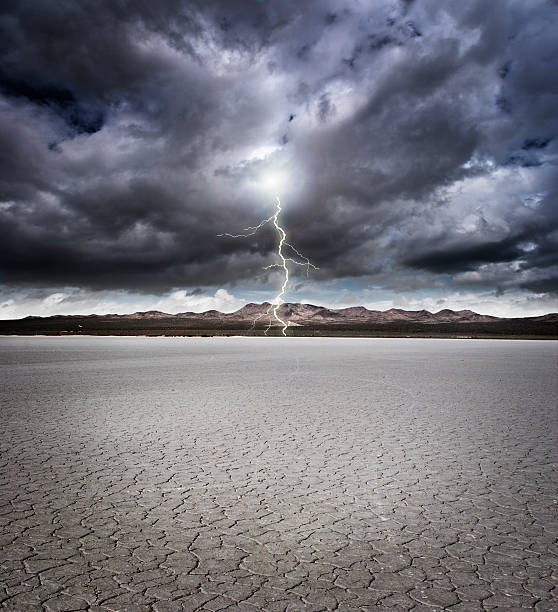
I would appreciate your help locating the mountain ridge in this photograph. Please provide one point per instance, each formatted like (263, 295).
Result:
(299, 313)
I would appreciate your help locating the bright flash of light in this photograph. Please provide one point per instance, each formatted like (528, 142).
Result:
(302, 261)
(271, 181)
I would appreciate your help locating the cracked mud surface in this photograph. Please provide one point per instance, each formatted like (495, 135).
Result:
(281, 475)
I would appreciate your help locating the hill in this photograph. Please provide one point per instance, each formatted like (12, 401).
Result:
(304, 320)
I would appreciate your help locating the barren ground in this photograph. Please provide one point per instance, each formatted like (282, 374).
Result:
(278, 474)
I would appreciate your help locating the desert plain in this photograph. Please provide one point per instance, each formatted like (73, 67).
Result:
(278, 474)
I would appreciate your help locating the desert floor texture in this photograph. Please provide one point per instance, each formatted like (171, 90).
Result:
(278, 474)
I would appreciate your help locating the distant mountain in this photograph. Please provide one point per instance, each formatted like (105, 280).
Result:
(547, 318)
(300, 314)
(305, 313)
(304, 320)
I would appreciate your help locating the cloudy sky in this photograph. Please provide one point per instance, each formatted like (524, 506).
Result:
(413, 145)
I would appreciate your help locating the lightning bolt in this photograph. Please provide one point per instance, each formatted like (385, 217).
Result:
(273, 310)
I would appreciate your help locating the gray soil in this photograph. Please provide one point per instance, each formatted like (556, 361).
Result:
(278, 474)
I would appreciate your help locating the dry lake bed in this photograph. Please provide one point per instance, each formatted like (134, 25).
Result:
(278, 474)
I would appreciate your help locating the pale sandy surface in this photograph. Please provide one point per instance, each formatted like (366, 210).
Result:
(278, 474)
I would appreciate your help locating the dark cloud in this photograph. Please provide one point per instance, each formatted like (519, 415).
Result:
(196, 291)
(79, 117)
(462, 257)
(419, 141)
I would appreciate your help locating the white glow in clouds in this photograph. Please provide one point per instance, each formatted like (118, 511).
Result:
(272, 180)
(74, 301)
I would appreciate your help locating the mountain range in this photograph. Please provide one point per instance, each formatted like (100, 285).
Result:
(302, 314)
(304, 320)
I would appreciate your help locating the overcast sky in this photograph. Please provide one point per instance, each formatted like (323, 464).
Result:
(413, 145)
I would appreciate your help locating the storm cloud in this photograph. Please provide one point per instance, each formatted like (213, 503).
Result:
(417, 140)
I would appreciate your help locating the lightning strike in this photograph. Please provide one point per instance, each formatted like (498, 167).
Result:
(273, 310)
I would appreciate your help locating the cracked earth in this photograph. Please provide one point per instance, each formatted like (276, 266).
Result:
(276, 474)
